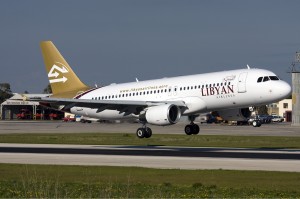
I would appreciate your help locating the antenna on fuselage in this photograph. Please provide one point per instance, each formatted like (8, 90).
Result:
(248, 66)
(136, 79)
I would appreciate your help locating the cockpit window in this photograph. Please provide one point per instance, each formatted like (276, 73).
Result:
(259, 79)
(266, 78)
(274, 78)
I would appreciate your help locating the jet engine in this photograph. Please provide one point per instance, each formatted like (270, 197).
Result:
(161, 115)
(241, 114)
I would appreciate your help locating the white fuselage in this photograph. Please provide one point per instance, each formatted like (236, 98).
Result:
(201, 93)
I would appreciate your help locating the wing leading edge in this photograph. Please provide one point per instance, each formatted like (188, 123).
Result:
(120, 105)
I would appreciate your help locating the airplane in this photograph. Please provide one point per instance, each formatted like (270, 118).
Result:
(161, 101)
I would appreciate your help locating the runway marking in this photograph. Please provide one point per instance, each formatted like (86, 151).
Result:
(153, 157)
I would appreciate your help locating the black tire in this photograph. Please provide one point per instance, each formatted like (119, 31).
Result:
(196, 129)
(148, 132)
(258, 123)
(140, 133)
(188, 130)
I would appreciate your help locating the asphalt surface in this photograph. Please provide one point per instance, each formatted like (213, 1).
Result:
(151, 156)
(274, 129)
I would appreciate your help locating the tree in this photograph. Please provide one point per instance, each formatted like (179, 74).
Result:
(5, 92)
(48, 89)
(262, 110)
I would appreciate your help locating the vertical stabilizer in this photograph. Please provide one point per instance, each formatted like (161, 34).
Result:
(64, 82)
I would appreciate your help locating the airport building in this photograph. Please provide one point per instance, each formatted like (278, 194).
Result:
(16, 108)
(282, 108)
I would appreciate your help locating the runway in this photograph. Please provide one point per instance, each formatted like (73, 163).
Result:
(153, 156)
(273, 129)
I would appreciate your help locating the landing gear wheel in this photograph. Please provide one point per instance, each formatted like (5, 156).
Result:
(191, 129)
(145, 132)
(148, 132)
(140, 133)
(196, 129)
(188, 129)
(256, 123)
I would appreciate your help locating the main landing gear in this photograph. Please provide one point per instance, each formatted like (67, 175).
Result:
(144, 132)
(192, 129)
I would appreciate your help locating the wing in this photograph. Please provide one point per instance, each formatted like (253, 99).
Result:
(121, 105)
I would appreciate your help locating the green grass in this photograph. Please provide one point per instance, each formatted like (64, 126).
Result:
(157, 139)
(131, 182)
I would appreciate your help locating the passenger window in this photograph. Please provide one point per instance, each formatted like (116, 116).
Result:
(266, 78)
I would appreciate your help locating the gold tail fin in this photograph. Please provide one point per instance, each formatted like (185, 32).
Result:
(64, 82)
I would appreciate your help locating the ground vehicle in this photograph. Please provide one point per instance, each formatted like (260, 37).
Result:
(68, 118)
(265, 118)
(277, 118)
(24, 114)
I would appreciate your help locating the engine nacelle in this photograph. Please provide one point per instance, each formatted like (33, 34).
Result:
(161, 115)
(241, 114)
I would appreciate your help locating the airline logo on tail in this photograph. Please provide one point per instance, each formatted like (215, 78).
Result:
(56, 71)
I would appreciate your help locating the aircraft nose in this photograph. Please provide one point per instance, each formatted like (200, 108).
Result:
(284, 89)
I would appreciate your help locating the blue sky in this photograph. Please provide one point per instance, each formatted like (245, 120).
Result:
(116, 41)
